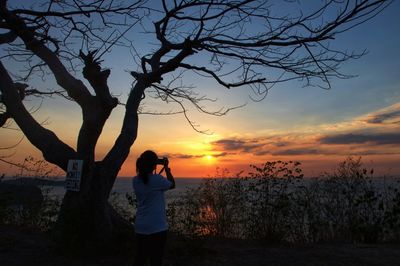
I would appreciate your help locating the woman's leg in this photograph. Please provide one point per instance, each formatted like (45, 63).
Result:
(158, 245)
(142, 249)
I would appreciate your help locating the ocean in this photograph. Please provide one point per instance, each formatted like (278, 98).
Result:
(123, 185)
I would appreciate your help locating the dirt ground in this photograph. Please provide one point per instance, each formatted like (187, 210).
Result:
(241, 253)
(25, 247)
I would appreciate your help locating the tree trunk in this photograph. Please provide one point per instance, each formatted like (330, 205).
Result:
(86, 218)
(87, 222)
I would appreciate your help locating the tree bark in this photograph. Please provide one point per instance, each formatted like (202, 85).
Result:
(88, 222)
(86, 217)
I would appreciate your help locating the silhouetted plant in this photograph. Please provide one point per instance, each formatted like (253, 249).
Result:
(41, 216)
(269, 193)
(275, 204)
(185, 212)
(392, 214)
(350, 203)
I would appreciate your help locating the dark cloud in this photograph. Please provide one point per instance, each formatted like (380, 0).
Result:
(184, 156)
(255, 146)
(297, 151)
(191, 156)
(237, 145)
(222, 154)
(281, 144)
(372, 152)
(262, 152)
(381, 118)
(380, 138)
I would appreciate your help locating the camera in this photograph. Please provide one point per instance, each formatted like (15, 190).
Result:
(162, 160)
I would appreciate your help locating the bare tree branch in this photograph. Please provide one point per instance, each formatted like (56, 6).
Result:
(215, 30)
(42, 138)
(74, 87)
(245, 43)
(8, 37)
(14, 145)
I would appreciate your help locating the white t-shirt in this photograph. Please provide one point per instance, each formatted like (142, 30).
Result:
(151, 215)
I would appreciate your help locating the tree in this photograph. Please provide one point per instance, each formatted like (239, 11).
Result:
(246, 43)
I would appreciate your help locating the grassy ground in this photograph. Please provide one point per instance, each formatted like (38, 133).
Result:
(24, 247)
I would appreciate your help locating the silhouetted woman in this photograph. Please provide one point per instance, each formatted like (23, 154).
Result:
(151, 220)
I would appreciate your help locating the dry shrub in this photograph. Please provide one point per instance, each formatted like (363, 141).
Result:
(275, 204)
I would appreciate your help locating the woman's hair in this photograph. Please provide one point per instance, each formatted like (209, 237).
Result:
(145, 164)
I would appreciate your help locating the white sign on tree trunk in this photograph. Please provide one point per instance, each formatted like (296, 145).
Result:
(74, 173)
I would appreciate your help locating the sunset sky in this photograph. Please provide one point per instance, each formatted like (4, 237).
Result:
(319, 128)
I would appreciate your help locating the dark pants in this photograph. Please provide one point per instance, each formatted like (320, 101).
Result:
(150, 247)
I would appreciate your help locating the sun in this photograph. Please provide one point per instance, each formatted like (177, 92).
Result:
(209, 159)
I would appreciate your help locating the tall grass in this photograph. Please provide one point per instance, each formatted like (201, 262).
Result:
(39, 216)
(274, 203)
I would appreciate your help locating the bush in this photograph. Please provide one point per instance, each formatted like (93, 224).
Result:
(41, 215)
(210, 209)
(275, 204)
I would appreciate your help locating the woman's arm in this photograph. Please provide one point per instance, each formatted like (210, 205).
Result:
(170, 177)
